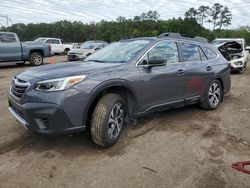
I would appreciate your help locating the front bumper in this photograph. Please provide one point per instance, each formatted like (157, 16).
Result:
(73, 57)
(237, 64)
(44, 118)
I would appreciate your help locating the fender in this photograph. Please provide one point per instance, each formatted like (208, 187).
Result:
(105, 85)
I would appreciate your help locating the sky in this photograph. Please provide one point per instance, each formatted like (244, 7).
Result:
(36, 11)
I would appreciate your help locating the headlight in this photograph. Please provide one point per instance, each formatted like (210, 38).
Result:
(59, 83)
(238, 63)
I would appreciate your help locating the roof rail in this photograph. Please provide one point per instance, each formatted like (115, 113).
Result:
(183, 36)
(128, 37)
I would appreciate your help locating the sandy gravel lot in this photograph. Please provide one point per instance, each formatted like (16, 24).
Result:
(186, 147)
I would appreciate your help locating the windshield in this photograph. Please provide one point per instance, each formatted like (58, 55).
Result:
(119, 52)
(40, 40)
(88, 45)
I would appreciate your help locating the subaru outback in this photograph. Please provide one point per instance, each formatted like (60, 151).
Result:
(118, 84)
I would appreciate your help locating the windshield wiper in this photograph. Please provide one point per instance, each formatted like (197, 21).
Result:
(95, 60)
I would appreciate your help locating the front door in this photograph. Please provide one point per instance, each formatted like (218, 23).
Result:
(161, 85)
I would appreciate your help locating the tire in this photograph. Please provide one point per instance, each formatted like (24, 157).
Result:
(36, 59)
(65, 51)
(106, 125)
(213, 96)
(20, 63)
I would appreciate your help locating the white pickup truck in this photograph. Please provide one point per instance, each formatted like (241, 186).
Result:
(57, 45)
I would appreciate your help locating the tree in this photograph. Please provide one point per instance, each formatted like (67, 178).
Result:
(150, 15)
(120, 19)
(153, 15)
(225, 18)
(191, 14)
(215, 12)
(203, 13)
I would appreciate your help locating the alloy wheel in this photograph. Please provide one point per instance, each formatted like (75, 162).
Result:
(37, 59)
(214, 94)
(116, 119)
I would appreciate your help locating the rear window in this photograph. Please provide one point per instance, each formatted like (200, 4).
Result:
(209, 53)
(7, 38)
(190, 52)
(52, 41)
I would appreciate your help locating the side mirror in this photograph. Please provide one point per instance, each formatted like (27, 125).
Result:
(155, 61)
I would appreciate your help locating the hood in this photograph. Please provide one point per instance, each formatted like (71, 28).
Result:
(229, 49)
(67, 69)
(81, 50)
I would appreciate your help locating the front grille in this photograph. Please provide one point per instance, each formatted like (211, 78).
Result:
(19, 87)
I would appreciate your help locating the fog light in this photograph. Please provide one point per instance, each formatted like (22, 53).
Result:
(42, 123)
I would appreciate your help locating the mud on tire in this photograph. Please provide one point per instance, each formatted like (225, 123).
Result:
(108, 113)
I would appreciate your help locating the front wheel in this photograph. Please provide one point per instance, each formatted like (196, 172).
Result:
(36, 59)
(213, 96)
(108, 120)
(65, 52)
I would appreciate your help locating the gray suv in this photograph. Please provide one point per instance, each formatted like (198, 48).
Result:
(119, 83)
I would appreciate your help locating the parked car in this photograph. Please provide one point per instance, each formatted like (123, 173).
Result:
(248, 48)
(57, 45)
(86, 49)
(11, 49)
(234, 50)
(119, 83)
(76, 45)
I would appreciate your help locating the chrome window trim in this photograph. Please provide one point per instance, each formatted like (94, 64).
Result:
(153, 47)
(209, 49)
(179, 41)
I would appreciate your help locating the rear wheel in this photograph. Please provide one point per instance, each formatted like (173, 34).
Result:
(36, 59)
(108, 120)
(213, 96)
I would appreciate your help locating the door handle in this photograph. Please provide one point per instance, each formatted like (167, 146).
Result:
(209, 68)
(180, 72)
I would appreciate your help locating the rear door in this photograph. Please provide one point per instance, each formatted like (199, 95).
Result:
(198, 71)
(10, 47)
(162, 85)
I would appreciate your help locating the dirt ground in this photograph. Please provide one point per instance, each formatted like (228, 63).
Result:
(186, 147)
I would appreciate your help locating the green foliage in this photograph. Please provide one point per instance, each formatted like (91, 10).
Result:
(218, 15)
(147, 24)
(203, 13)
(225, 18)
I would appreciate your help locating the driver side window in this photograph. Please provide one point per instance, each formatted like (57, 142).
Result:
(166, 50)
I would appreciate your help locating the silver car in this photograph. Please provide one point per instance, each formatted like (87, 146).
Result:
(86, 49)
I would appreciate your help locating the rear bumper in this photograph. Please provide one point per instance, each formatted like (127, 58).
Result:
(44, 118)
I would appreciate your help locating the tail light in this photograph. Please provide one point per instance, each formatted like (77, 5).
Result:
(49, 48)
